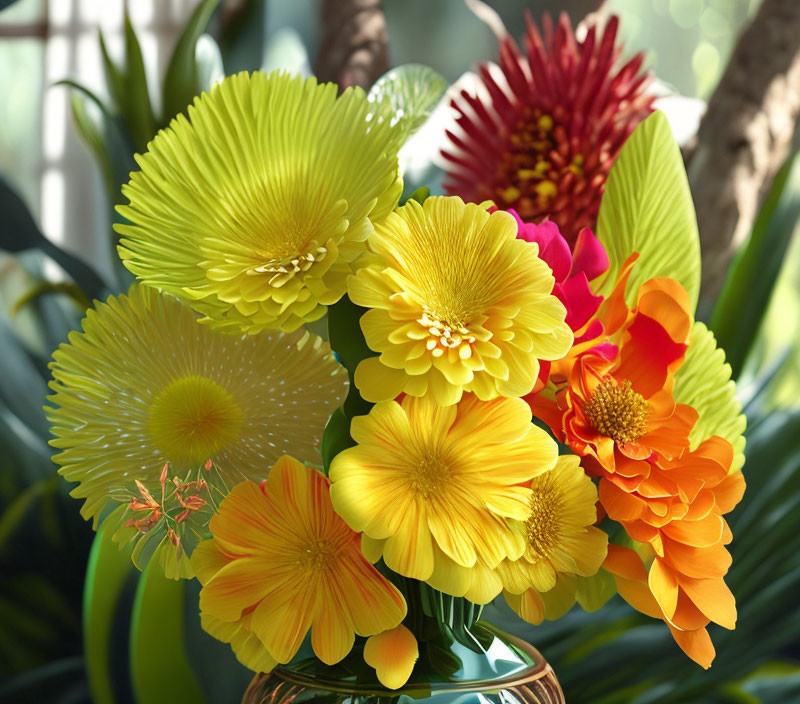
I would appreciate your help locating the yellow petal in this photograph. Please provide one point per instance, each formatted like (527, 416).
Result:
(393, 654)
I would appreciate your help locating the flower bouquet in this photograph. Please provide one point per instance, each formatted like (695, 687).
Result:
(513, 404)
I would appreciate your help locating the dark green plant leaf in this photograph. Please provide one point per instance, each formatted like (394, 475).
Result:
(43, 288)
(743, 302)
(108, 570)
(182, 79)
(19, 232)
(160, 667)
(136, 103)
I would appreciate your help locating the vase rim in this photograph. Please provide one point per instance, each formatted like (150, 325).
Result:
(537, 669)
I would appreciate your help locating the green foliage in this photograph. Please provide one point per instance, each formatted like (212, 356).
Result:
(19, 233)
(182, 80)
(647, 208)
(160, 667)
(408, 93)
(748, 287)
(704, 382)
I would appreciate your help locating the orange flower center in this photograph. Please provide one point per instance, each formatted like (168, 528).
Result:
(532, 166)
(544, 522)
(617, 411)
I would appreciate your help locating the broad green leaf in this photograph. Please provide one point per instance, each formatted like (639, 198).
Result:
(160, 667)
(647, 208)
(594, 592)
(408, 94)
(22, 389)
(19, 232)
(704, 382)
(106, 574)
(208, 57)
(182, 79)
(419, 195)
(743, 302)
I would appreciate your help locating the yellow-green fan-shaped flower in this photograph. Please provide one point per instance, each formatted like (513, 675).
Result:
(255, 208)
(145, 396)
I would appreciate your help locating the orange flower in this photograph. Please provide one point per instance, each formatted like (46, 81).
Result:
(617, 396)
(677, 513)
(282, 562)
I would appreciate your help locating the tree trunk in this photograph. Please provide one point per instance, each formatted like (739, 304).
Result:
(745, 136)
(354, 48)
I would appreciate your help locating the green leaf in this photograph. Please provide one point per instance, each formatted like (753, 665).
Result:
(19, 232)
(160, 667)
(22, 389)
(743, 302)
(408, 93)
(704, 382)
(335, 438)
(182, 79)
(93, 134)
(647, 208)
(43, 288)
(136, 99)
(594, 592)
(419, 195)
(106, 574)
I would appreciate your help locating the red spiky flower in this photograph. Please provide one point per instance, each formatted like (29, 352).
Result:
(544, 139)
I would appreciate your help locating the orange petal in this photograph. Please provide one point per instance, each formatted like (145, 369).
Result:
(701, 563)
(624, 562)
(667, 301)
(393, 655)
(618, 504)
(207, 560)
(663, 584)
(713, 598)
(696, 644)
(687, 616)
(729, 492)
(332, 635)
(528, 605)
(699, 534)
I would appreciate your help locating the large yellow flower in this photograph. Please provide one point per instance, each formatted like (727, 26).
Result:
(282, 562)
(255, 208)
(560, 536)
(145, 385)
(428, 480)
(458, 304)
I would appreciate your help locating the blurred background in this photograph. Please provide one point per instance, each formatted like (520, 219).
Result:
(85, 84)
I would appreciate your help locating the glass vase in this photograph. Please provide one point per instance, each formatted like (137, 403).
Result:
(502, 670)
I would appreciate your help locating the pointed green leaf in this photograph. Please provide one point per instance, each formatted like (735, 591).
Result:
(106, 574)
(704, 382)
(160, 667)
(748, 288)
(408, 93)
(647, 208)
(136, 107)
(182, 79)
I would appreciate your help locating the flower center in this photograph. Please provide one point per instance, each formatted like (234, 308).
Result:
(544, 522)
(194, 418)
(428, 474)
(532, 166)
(318, 555)
(443, 335)
(617, 411)
(284, 268)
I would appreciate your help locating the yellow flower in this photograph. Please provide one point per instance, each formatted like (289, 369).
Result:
(458, 303)
(145, 385)
(426, 479)
(256, 207)
(282, 562)
(561, 540)
(393, 654)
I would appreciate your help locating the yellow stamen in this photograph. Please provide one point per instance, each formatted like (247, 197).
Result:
(544, 523)
(617, 411)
